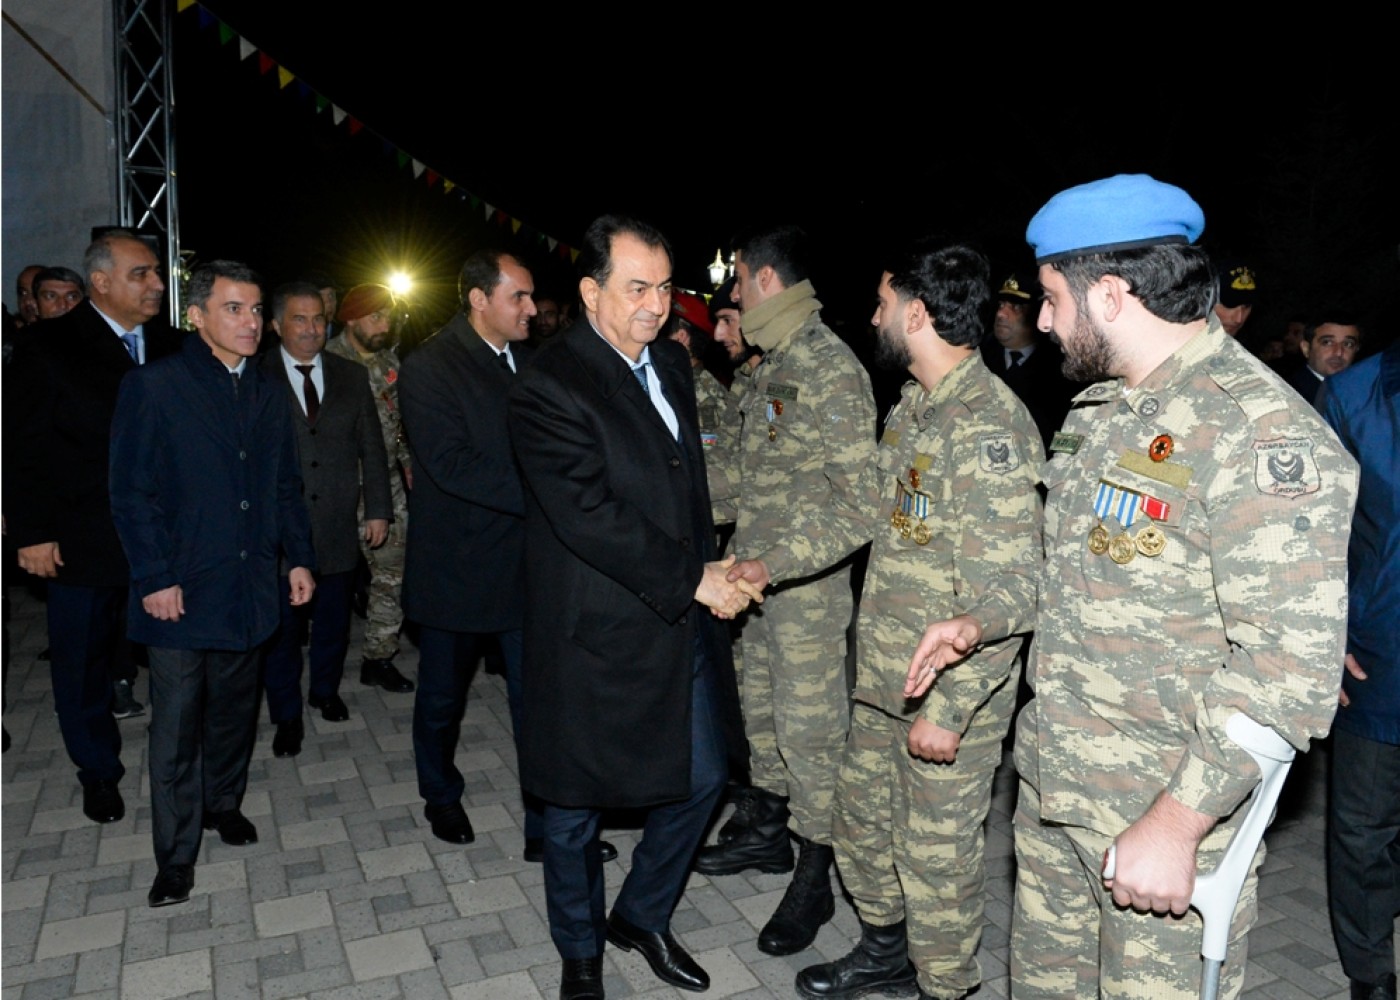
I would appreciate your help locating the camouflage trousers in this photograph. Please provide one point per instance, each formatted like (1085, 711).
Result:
(909, 843)
(795, 698)
(1068, 939)
(384, 616)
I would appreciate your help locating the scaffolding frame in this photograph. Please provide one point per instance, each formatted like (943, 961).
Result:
(143, 40)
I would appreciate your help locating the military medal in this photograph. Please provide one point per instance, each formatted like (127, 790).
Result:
(1161, 448)
(1121, 550)
(1098, 540)
(777, 407)
(1151, 541)
(914, 478)
(772, 433)
(922, 534)
(909, 505)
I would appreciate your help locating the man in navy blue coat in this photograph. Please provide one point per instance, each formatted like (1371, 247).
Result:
(206, 494)
(1362, 404)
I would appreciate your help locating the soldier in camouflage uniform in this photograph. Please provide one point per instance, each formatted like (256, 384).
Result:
(806, 431)
(366, 314)
(1196, 533)
(952, 507)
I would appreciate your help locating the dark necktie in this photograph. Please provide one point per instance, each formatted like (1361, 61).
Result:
(131, 340)
(1016, 358)
(308, 388)
(504, 360)
(235, 384)
(641, 372)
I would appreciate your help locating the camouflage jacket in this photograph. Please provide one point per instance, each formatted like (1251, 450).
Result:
(792, 459)
(384, 383)
(1196, 538)
(956, 522)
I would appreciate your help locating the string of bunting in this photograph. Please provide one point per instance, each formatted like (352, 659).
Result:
(208, 20)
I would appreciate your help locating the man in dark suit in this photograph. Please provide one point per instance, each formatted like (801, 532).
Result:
(206, 494)
(1027, 361)
(463, 576)
(340, 446)
(626, 676)
(64, 383)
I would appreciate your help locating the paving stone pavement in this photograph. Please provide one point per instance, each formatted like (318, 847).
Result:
(347, 895)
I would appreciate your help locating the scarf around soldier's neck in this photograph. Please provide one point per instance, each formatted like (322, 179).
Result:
(772, 321)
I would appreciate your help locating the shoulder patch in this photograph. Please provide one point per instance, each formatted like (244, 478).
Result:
(1285, 467)
(1252, 393)
(997, 454)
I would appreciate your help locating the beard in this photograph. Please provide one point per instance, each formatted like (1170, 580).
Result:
(892, 349)
(1088, 355)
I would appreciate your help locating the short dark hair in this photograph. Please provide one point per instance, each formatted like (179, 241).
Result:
(1174, 282)
(1333, 315)
(59, 274)
(284, 293)
(481, 270)
(953, 283)
(595, 257)
(204, 276)
(98, 255)
(786, 249)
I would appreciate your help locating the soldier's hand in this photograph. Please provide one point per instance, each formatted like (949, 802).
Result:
(166, 605)
(933, 743)
(41, 560)
(723, 598)
(408, 477)
(1355, 670)
(376, 530)
(943, 643)
(1155, 864)
(752, 577)
(302, 585)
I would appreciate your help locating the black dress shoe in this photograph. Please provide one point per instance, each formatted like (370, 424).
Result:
(534, 850)
(172, 885)
(671, 963)
(450, 823)
(583, 979)
(234, 828)
(332, 708)
(102, 803)
(287, 742)
(383, 673)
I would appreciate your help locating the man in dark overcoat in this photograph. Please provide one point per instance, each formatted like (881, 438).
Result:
(206, 496)
(61, 393)
(626, 675)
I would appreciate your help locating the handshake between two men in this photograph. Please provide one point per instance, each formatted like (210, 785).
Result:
(729, 586)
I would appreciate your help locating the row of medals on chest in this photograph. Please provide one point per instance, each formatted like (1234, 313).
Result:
(1124, 505)
(912, 507)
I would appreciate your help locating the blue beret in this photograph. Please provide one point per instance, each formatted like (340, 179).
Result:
(1118, 213)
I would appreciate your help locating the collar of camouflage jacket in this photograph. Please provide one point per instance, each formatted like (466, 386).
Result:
(773, 321)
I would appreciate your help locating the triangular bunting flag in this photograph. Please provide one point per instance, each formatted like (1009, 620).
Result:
(321, 104)
(265, 62)
(337, 115)
(183, 5)
(417, 169)
(355, 126)
(432, 177)
(402, 158)
(447, 187)
(490, 209)
(573, 256)
(552, 242)
(245, 48)
(303, 89)
(283, 78)
(501, 216)
(515, 225)
(206, 19)
(226, 34)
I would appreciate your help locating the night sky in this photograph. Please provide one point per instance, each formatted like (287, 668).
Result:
(704, 136)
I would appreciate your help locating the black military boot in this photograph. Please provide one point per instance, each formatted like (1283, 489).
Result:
(807, 904)
(761, 846)
(879, 963)
(745, 799)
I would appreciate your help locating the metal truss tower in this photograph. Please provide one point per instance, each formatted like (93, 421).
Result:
(143, 37)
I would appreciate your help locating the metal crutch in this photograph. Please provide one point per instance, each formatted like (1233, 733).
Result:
(1216, 895)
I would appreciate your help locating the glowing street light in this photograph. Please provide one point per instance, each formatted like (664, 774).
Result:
(400, 283)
